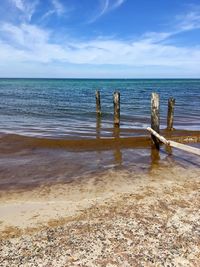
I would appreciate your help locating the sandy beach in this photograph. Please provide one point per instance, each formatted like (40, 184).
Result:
(117, 218)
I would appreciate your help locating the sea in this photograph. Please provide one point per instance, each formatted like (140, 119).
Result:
(50, 132)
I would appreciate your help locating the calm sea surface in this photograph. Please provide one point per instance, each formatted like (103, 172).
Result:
(65, 108)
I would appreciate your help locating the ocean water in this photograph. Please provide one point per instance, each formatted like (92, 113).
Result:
(65, 108)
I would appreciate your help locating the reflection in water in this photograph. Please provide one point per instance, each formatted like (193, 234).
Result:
(168, 150)
(117, 151)
(116, 135)
(116, 132)
(98, 126)
(118, 157)
(155, 157)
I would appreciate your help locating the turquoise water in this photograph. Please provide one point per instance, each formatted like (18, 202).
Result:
(66, 107)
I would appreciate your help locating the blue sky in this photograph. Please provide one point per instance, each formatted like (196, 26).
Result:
(100, 38)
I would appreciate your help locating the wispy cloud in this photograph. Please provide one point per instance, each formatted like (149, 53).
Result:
(47, 14)
(105, 7)
(24, 36)
(118, 3)
(189, 21)
(182, 23)
(26, 7)
(19, 4)
(58, 7)
(156, 37)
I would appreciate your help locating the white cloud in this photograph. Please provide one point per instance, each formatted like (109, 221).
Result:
(33, 45)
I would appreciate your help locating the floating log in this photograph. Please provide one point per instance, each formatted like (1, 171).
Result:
(116, 101)
(170, 143)
(98, 103)
(155, 117)
(170, 114)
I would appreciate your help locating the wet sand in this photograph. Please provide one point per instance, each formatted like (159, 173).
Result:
(34, 208)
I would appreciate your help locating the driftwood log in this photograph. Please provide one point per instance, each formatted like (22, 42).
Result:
(170, 143)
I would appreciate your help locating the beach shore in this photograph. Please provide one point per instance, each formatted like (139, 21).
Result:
(115, 218)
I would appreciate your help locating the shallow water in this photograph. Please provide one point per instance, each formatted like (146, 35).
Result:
(33, 167)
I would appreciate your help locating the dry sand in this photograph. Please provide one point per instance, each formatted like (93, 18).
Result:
(118, 218)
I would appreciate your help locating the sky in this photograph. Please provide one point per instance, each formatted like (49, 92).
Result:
(100, 38)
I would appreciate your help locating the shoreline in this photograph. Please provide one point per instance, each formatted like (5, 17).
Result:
(82, 193)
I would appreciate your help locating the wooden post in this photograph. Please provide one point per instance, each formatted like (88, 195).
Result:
(116, 101)
(155, 117)
(98, 103)
(170, 114)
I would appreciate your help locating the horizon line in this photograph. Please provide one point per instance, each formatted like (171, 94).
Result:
(100, 78)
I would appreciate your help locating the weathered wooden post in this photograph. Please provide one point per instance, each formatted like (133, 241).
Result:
(170, 114)
(155, 117)
(98, 103)
(116, 101)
